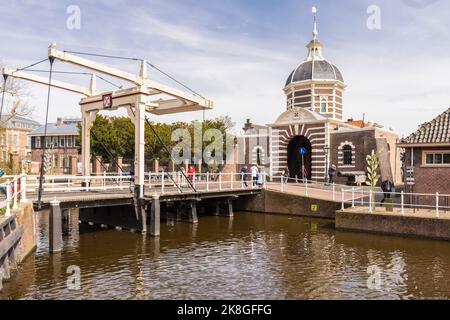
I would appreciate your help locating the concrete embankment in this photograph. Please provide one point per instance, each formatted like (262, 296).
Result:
(277, 202)
(17, 239)
(424, 224)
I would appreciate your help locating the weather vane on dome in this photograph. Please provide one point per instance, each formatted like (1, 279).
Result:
(315, 32)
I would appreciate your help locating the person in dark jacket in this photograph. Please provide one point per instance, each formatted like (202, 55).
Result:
(331, 173)
(244, 175)
(387, 187)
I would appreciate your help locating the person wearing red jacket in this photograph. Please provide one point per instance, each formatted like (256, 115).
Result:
(191, 174)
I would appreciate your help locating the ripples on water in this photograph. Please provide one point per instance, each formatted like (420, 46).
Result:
(252, 256)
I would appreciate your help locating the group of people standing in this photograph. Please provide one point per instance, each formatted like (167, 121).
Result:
(255, 173)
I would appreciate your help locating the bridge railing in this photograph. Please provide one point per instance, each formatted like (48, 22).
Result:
(307, 187)
(101, 182)
(402, 202)
(164, 182)
(160, 182)
(14, 191)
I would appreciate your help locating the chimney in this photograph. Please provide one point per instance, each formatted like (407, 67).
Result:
(59, 121)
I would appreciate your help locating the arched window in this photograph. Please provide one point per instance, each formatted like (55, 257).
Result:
(347, 153)
(258, 157)
(323, 105)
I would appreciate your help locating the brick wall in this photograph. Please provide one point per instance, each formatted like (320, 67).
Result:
(428, 179)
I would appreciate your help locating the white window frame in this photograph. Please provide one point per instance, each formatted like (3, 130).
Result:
(434, 165)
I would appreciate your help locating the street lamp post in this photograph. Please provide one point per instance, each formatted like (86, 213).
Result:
(326, 149)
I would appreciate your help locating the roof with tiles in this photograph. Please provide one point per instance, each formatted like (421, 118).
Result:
(435, 131)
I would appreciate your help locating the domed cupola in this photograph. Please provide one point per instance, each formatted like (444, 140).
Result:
(316, 84)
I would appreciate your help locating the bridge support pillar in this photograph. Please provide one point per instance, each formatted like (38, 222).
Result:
(55, 228)
(155, 222)
(143, 211)
(217, 209)
(229, 212)
(193, 218)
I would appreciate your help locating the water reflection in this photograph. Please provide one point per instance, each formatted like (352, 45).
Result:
(251, 256)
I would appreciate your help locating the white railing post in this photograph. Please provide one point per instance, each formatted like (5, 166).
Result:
(370, 201)
(242, 180)
(353, 197)
(8, 198)
(402, 203)
(362, 196)
(16, 193)
(306, 187)
(104, 180)
(282, 184)
(437, 204)
(343, 199)
(220, 181)
(207, 180)
(23, 187)
(162, 182)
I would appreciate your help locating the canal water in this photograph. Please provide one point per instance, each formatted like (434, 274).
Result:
(252, 256)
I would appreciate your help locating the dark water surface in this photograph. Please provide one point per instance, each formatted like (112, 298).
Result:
(253, 256)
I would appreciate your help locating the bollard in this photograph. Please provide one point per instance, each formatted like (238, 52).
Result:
(55, 227)
(343, 199)
(155, 221)
(207, 181)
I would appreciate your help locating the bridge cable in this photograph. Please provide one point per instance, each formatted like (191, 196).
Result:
(41, 175)
(110, 154)
(164, 146)
(170, 154)
(5, 78)
(32, 65)
(102, 55)
(172, 78)
(136, 59)
(79, 73)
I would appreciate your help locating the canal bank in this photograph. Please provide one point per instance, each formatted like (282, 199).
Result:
(289, 203)
(423, 224)
(17, 239)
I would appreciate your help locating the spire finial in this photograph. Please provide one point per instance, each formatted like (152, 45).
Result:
(314, 33)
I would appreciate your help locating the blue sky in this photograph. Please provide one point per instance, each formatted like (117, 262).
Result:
(239, 53)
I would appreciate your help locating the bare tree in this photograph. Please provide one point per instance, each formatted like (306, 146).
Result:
(18, 92)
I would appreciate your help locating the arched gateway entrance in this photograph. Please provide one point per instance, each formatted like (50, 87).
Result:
(299, 157)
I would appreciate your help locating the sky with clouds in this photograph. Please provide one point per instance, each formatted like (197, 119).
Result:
(240, 52)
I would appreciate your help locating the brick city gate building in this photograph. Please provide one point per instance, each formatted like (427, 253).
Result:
(311, 135)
